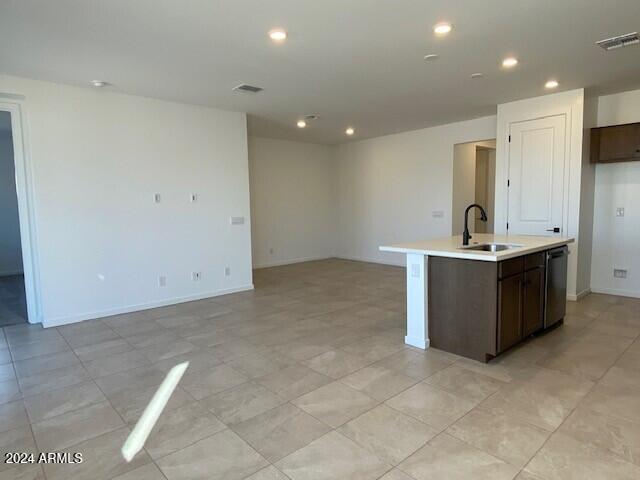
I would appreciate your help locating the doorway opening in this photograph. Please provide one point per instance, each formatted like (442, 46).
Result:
(13, 301)
(474, 181)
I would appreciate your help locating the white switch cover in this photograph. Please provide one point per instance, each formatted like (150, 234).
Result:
(196, 276)
(237, 220)
(162, 281)
(437, 214)
(157, 198)
(227, 271)
(415, 270)
(620, 212)
(193, 198)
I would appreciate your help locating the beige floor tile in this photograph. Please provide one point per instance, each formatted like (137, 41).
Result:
(387, 433)
(13, 415)
(202, 384)
(465, 382)
(103, 350)
(223, 456)
(17, 440)
(303, 348)
(503, 436)
(378, 382)
(23, 472)
(131, 402)
(543, 398)
(164, 350)
(9, 391)
(65, 430)
(37, 349)
(630, 359)
(374, 348)
(134, 379)
(330, 457)
(564, 458)
(116, 363)
(415, 363)
(621, 437)
(447, 458)
(268, 473)
(280, 431)
(5, 355)
(180, 427)
(336, 363)
(199, 360)
(147, 472)
(53, 379)
(293, 381)
(431, 405)
(57, 402)
(241, 403)
(45, 363)
(616, 394)
(262, 363)
(98, 336)
(395, 474)
(335, 403)
(102, 459)
(7, 372)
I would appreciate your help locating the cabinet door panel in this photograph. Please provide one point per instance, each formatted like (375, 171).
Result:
(509, 311)
(621, 142)
(533, 305)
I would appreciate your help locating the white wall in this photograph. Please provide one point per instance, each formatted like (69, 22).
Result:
(616, 240)
(388, 187)
(293, 203)
(10, 249)
(97, 158)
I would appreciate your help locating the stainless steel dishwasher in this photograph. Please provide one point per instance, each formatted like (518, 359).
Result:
(556, 286)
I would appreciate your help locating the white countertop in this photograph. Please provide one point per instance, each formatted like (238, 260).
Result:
(452, 246)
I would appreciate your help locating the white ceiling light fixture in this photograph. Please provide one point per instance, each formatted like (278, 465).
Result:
(431, 57)
(509, 62)
(477, 75)
(278, 35)
(349, 131)
(301, 124)
(98, 83)
(442, 28)
(551, 84)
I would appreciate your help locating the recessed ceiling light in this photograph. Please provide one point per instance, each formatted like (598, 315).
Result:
(477, 75)
(278, 35)
(509, 62)
(442, 28)
(551, 84)
(98, 83)
(431, 57)
(301, 124)
(349, 131)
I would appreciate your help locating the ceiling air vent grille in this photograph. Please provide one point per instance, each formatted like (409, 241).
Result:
(243, 87)
(619, 41)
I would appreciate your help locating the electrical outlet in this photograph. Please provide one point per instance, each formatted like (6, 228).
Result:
(162, 281)
(157, 198)
(620, 273)
(620, 212)
(196, 276)
(227, 271)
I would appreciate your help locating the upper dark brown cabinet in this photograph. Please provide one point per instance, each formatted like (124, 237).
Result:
(618, 143)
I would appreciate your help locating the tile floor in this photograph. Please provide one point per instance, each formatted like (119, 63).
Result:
(13, 304)
(307, 378)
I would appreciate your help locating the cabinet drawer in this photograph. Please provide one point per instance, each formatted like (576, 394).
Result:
(513, 266)
(534, 260)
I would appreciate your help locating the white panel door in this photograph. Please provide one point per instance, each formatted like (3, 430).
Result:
(536, 176)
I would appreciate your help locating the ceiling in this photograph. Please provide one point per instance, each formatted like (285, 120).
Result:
(354, 63)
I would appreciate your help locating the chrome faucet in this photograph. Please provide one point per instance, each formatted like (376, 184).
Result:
(483, 216)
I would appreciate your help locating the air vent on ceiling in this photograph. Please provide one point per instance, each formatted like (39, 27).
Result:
(619, 41)
(311, 117)
(243, 87)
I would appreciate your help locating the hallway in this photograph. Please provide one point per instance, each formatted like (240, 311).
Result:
(13, 305)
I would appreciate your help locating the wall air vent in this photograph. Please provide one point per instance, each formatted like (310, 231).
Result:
(619, 41)
(243, 87)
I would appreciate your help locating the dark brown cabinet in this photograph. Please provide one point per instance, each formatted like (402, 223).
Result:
(480, 309)
(618, 143)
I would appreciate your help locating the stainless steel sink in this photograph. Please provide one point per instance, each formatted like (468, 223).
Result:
(491, 247)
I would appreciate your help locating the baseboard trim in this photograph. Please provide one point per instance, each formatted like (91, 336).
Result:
(56, 322)
(291, 261)
(582, 294)
(417, 342)
(616, 291)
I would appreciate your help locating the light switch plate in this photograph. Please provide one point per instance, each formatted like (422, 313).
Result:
(620, 273)
(437, 214)
(157, 198)
(620, 212)
(237, 220)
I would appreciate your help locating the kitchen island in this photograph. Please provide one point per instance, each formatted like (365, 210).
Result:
(479, 300)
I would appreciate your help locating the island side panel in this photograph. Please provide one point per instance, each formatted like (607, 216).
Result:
(463, 306)
(417, 301)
